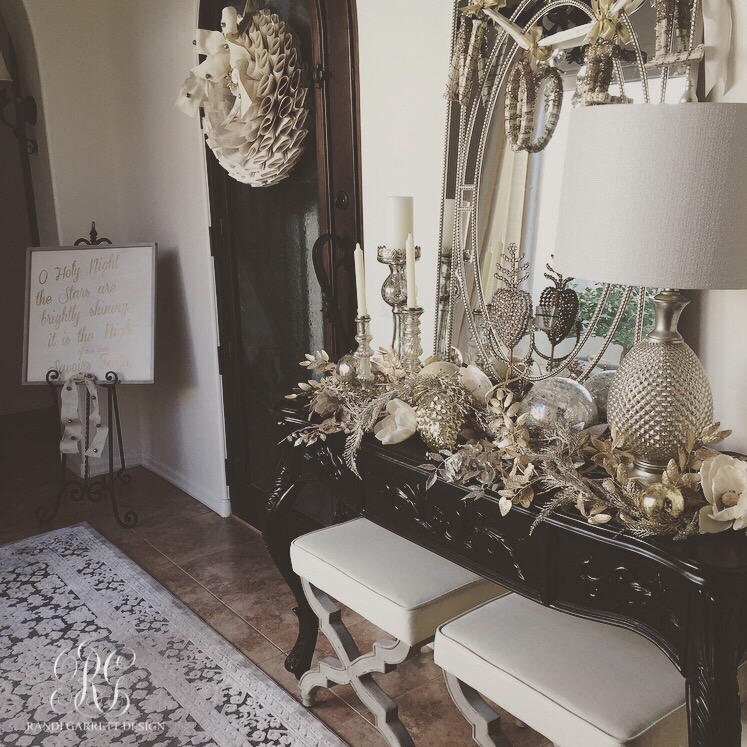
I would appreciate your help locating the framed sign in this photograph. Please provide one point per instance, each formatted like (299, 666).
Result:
(90, 309)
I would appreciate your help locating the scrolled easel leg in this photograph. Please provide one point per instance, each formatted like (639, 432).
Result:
(130, 518)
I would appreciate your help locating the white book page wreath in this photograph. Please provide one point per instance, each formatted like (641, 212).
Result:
(252, 88)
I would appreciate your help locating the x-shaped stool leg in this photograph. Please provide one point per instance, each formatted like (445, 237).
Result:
(355, 668)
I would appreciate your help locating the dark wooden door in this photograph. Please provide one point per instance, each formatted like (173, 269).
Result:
(269, 302)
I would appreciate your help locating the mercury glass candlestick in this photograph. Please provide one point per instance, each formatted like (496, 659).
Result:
(412, 347)
(394, 288)
(364, 352)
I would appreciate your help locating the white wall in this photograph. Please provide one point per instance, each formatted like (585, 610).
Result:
(404, 56)
(122, 154)
(722, 339)
(163, 195)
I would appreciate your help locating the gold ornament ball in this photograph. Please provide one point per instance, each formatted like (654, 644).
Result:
(346, 367)
(440, 421)
(658, 499)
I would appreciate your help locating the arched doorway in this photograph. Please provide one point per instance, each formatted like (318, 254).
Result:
(19, 229)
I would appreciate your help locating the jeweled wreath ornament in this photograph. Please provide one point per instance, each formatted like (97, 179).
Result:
(252, 88)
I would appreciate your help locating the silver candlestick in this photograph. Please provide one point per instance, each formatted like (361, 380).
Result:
(364, 352)
(412, 347)
(394, 288)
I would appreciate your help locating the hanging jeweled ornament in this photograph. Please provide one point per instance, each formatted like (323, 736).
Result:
(458, 58)
(521, 103)
(440, 420)
(600, 65)
(528, 75)
(469, 71)
(672, 26)
(558, 307)
(510, 309)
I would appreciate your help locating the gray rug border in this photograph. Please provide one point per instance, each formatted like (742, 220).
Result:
(303, 724)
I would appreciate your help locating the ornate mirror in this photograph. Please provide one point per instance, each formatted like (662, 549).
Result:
(516, 72)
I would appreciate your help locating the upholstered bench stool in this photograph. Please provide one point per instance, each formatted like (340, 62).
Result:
(398, 586)
(577, 682)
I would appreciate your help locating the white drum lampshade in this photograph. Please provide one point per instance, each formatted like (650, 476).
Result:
(656, 196)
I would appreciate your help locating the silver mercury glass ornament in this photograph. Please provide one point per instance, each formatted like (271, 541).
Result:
(559, 400)
(346, 367)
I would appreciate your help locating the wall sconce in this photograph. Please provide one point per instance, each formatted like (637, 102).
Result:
(25, 109)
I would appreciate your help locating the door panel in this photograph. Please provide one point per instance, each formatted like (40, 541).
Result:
(268, 297)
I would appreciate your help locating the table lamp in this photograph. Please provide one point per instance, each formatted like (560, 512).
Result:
(656, 196)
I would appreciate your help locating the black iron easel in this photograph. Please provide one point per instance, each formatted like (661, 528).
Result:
(92, 489)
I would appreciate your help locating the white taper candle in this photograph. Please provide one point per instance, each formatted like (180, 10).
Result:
(399, 221)
(360, 280)
(412, 290)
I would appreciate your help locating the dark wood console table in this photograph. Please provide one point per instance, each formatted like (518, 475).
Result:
(689, 598)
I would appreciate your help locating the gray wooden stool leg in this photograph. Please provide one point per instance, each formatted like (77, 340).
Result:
(485, 722)
(356, 669)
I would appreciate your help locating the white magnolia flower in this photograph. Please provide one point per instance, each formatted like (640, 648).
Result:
(398, 425)
(724, 481)
(474, 380)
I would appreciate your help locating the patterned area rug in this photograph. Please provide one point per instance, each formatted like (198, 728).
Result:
(93, 651)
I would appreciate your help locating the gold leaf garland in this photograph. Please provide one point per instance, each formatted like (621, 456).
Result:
(587, 471)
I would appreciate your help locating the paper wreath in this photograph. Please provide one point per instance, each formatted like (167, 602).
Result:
(253, 92)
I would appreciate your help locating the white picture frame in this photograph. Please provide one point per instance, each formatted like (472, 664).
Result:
(90, 309)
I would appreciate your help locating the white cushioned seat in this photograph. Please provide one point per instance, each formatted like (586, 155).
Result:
(397, 585)
(577, 682)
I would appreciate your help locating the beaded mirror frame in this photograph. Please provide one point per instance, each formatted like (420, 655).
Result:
(494, 61)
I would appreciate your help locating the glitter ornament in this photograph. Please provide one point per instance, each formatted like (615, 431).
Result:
(440, 420)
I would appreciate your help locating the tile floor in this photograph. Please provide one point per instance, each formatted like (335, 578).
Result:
(220, 569)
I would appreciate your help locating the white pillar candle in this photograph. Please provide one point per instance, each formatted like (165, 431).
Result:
(398, 221)
(360, 280)
(448, 224)
(412, 290)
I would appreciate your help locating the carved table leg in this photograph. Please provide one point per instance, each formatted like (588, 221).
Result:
(278, 538)
(713, 708)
